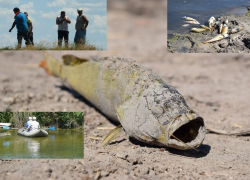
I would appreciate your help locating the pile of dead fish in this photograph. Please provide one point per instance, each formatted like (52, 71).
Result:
(211, 25)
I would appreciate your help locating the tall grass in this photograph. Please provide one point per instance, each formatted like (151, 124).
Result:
(46, 45)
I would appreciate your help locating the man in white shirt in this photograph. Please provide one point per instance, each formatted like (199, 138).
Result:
(34, 125)
(62, 22)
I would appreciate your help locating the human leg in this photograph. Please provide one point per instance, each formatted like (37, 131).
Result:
(19, 40)
(66, 38)
(26, 38)
(60, 37)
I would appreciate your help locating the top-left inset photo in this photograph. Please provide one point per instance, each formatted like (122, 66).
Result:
(53, 25)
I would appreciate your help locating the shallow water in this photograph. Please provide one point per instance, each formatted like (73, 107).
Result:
(201, 11)
(59, 144)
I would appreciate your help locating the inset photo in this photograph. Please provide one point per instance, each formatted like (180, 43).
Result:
(53, 25)
(208, 26)
(41, 135)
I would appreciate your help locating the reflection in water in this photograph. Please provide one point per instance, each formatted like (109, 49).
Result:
(60, 143)
(6, 143)
(33, 147)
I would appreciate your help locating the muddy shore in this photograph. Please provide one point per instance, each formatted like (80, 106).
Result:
(191, 42)
(215, 86)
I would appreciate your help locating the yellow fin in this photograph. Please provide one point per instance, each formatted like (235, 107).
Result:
(112, 135)
(71, 60)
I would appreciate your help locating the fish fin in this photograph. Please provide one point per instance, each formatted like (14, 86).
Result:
(112, 135)
(44, 65)
(71, 60)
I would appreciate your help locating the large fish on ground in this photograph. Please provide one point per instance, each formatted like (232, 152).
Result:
(148, 109)
(216, 38)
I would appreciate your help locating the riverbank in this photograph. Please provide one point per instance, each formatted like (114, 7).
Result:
(192, 42)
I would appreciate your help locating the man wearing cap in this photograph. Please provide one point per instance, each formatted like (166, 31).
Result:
(62, 22)
(22, 27)
(28, 122)
(81, 25)
(34, 125)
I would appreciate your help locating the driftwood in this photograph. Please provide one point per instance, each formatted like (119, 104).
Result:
(237, 132)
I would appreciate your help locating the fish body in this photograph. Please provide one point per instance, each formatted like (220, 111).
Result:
(192, 22)
(235, 30)
(216, 38)
(198, 30)
(224, 30)
(189, 18)
(211, 22)
(148, 109)
(205, 27)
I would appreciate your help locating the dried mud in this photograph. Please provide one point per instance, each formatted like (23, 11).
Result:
(215, 85)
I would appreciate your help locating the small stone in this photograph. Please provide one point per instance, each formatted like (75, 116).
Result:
(8, 100)
(64, 99)
(31, 95)
(104, 173)
(122, 156)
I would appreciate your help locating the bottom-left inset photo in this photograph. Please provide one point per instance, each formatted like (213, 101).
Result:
(41, 135)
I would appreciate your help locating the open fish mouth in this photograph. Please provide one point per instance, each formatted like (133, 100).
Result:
(188, 135)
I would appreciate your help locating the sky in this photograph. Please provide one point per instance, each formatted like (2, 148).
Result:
(43, 15)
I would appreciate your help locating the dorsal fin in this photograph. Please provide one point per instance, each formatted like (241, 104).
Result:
(71, 60)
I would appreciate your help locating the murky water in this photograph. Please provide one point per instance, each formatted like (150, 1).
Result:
(59, 144)
(201, 11)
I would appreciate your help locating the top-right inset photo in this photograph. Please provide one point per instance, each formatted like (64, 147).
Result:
(208, 26)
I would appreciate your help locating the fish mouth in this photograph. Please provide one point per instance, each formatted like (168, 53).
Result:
(187, 135)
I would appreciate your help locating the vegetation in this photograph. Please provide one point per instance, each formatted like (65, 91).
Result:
(46, 119)
(45, 45)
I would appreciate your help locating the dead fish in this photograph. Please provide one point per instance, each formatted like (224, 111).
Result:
(192, 22)
(189, 18)
(211, 22)
(235, 30)
(148, 109)
(216, 38)
(185, 25)
(205, 27)
(220, 28)
(224, 30)
(198, 30)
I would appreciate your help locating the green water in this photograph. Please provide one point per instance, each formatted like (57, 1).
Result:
(59, 144)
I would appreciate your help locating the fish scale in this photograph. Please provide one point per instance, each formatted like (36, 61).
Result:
(148, 109)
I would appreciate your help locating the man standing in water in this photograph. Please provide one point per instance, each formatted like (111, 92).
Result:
(22, 27)
(62, 22)
(34, 125)
(30, 26)
(81, 25)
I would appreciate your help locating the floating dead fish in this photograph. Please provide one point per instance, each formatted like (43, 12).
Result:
(192, 22)
(189, 18)
(198, 30)
(185, 25)
(235, 30)
(216, 38)
(148, 109)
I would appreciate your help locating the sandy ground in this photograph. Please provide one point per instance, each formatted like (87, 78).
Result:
(214, 85)
(192, 42)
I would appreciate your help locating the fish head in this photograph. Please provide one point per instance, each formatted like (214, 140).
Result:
(163, 118)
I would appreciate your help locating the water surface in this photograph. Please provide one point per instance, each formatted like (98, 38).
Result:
(60, 143)
(200, 10)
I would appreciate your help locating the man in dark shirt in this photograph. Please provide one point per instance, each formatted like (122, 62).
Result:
(22, 27)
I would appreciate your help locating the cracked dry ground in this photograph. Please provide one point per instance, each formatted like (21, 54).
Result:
(215, 86)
